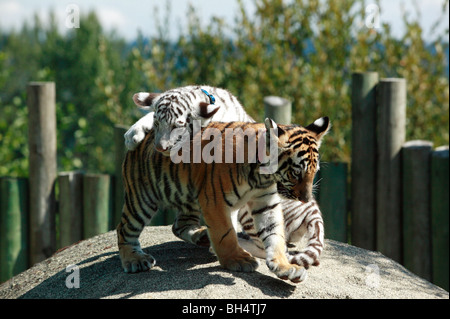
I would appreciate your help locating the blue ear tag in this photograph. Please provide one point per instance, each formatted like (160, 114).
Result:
(212, 99)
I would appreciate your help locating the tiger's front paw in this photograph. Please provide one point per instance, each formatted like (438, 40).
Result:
(135, 260)
(242, 261)
(290, 272)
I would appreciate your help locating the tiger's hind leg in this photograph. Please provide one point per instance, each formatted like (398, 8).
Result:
(187, 227)
(309, 226)
(310, 255)
(268, 218)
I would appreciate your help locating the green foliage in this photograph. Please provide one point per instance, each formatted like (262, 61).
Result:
(14, 134)
(88, 69)
(302, 50)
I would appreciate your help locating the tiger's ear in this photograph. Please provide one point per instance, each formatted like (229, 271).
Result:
(144, 100)
(320, 127)
(206, 110)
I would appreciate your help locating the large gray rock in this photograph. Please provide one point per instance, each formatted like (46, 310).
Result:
(187, 271)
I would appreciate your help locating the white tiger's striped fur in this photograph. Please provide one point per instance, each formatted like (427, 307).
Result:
(177, 107)
(173, 108)
(308, 225)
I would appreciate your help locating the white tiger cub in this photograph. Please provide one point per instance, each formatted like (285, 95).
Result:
(174, 108)
(177, 108)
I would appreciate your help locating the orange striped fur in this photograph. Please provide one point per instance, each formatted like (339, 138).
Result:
(215, 190)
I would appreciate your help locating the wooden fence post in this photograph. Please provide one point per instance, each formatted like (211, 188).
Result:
(439, 216)
(119, 193)
(278, 109)
(333, 200)
(391, 122)
(97, 204)
(43, 169)
(363, 166)
(70, 207)
(13, 226)
(416, 156)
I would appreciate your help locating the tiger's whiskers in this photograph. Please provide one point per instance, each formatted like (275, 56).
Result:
(316, 186)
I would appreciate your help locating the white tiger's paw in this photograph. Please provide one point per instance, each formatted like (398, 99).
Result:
(136, 134)
(290, 272)
(305, 258)
(133, 137)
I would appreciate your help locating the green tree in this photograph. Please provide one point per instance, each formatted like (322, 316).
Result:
(304, 50)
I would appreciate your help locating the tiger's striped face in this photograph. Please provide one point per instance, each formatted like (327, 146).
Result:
(174, 110)
(298, 159)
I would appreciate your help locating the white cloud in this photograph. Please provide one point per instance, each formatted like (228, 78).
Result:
(129, 16)
(11, 14)
(111, 18)
(429, 12)
(10, 7)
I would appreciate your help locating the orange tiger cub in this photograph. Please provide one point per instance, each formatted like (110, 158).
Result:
(217, 187)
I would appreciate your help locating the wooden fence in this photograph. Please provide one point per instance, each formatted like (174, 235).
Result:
(396, 202)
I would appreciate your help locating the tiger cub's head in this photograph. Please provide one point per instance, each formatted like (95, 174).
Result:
(298, 156)
(174, 110)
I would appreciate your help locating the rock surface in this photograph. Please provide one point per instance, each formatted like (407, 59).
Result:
(186, 271)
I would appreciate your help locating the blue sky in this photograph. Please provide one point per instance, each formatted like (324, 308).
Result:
(130, 15)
